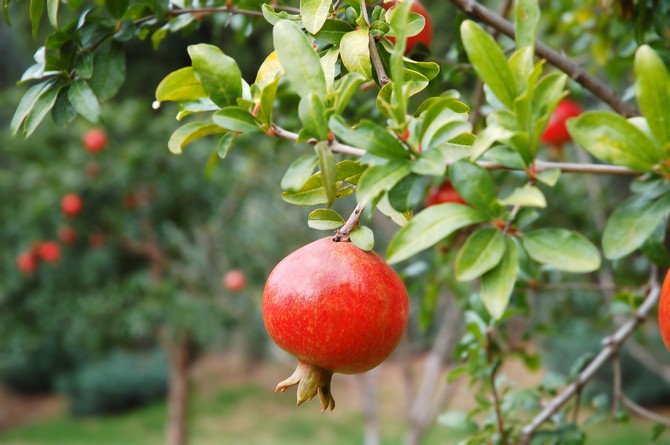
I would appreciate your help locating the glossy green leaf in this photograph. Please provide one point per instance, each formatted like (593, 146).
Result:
(225, 143)
(399, 21)
(180, 85)
(380, 178)
(430, 226)
(312, 112)
(266, 102)
(549, 177)
(481, 252)
(526, 196)
(385, 207)
(188, 133)
(324, 219)
(489, 62)
(63, 112)
(299, 60)
(312, 192)
(332, 31)
(329, 64)
(363, 238)
(562, 249)
(612, 138)
(475, 186)
(26, 105)
(632, 223)
(498, 283)
(652, 87)
(109, 70)
(236, 119)
(52, 12)
(36, 9)
(273, 17)
(117, 7)
(371, 137)
(314, 14)
(355, 52)
(83, 100)
(527, 18)
(328, 169)
(43, 105)
(299, 172)
(407, 193)
(218, 73)
(345, 88)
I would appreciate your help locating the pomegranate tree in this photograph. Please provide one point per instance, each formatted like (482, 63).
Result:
(336, 308)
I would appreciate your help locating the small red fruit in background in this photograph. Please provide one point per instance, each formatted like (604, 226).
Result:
(336, 308)
(49, 251)
(97, 239)
(234, 280)
(556, 132)
(95, 140)
(26, 262)
(71, 205)
(425, 36)
(664, 311)
(67, 235)
(443, 193)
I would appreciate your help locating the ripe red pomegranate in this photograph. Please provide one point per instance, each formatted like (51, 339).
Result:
(26, 262)
(556, 132)
(234, 280)
(336, 308)
(425, 36)
(67, 235)
(445, 192)
(664, 311)
(71, 205)
(49, 251)
(95, 140)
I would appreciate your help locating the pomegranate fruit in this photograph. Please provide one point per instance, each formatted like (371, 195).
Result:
(67, 235)
(94, 140)
(445, 192)
(336, 308)
(556, 132)
(234, 280)
(425, 36)
(49, 251)
(664, 311)
(26, 262)
(71, 205)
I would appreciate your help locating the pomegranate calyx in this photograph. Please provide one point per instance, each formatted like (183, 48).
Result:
(311, 380)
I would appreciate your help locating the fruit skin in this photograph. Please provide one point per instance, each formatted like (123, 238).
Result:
(445, 192)
(67, 235)
(556, 132)
(234, 280)
(336, 308)
(49, 251)
(426, 34)
(26, 262)
(664, 311)
(71, 204)
(95, 140)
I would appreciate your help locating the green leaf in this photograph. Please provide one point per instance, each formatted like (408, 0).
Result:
(371, 137)
(324, 219)
(526, 196)
(475, 186)
(225, 144)
(489, 62)
(385, 207)
(407, 193)
(52, 12)
(301, 63)
(236, 119)
(109, 70)
(363, 238)
(332, 31)
(299, 172)
(312, 192)
(347, 86)
(312, 112)
(355, 52)
(459, 421)
(27, 103)
(562, 249)
(180, 85)
(549, 177)
(314, 14)
(328, 170)
(652, 88)
(43, 105)
(527, 18)
(399, 22)
(5, 11)
(380, 178)
(612, 138)
(430, 226)
(632, 223)
(36, 9)
(83, 100)
(117, 7)
(188, 133)
(218, 73)
(481, 252)
(654, 247)
(497, 284)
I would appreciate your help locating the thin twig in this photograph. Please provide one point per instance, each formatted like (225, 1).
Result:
(610, 348)
(644, 412)
(616, 384)
(374, 52)
(494, 390)
(560, 61)
(343, 233)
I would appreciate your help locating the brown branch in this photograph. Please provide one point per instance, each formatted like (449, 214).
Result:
(610, 349)
(500, 420)
(591, 83)
(644, 412)
(343, 233)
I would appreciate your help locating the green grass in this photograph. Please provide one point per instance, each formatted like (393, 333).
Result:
(251, 415)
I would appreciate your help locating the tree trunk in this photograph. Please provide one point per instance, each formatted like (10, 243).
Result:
(179, 355)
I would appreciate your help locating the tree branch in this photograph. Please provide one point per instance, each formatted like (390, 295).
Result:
(591, 83)
(343, 233)
(610, 349)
